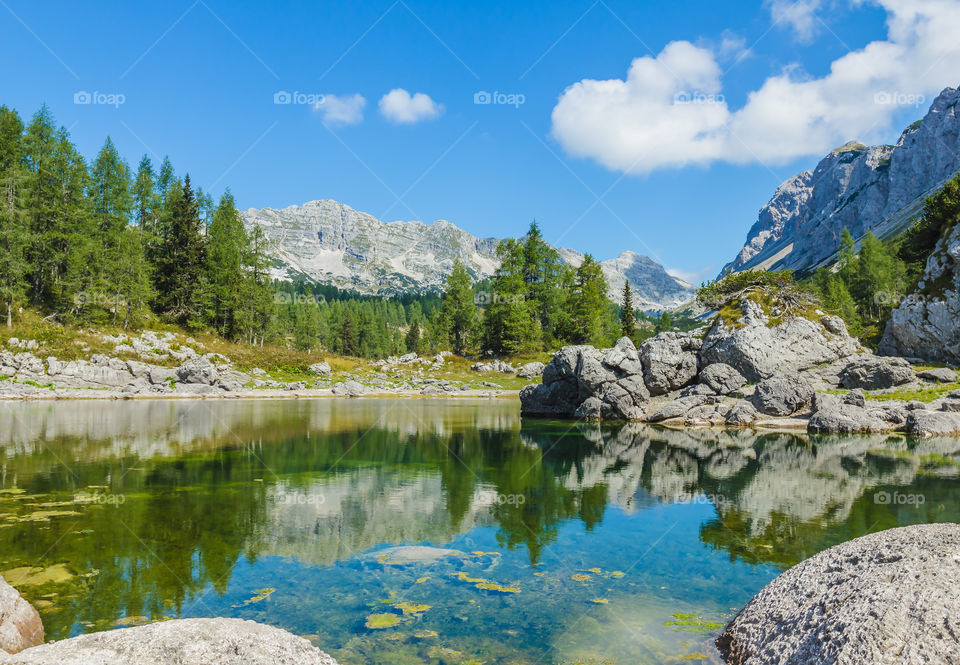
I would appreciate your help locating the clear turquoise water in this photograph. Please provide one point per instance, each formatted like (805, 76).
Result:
(595, 545)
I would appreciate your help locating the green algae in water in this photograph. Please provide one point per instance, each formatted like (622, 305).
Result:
(693, 623)
(34, 576)
(380, 621)
(412, 608)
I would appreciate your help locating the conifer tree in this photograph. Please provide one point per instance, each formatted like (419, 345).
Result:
(413, 338)
(181, 261)
(589, 300)
(628, 317)
(226, 245)
(14, 225)
(459, 307)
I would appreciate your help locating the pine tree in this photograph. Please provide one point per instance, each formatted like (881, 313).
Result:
(413, 338)
(589, 300)
(227, 243)
(349, 337)
(628, 317)
(459, 307)
(145, 201)
(181, 261)
(14, 225)
(510, 322)
(664, 323)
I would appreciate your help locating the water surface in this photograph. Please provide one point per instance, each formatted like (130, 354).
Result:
(570, 543)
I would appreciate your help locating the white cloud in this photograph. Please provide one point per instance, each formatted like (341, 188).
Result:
(341, 109)
(401, 107)
(670, 110)
(799, 15)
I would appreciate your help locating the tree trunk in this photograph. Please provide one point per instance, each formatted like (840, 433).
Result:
(9, 314)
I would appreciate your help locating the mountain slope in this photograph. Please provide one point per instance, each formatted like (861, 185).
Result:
(331, 243)
(878, 188)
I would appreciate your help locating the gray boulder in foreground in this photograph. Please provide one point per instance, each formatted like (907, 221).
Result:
(782, 395)
(20, 625)
(876, 373)
(888, 597)
(181, 641)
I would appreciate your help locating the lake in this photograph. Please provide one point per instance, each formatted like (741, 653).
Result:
(543, 541)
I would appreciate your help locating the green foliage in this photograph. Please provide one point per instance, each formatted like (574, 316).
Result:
(777, 291)
(628, 317)
(664, 323)
(459, 312)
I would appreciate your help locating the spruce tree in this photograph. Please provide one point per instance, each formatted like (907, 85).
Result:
(628, 316)
(226, 245)
(413, 338)
(14, 224)
(589, 301)
(459, 307)
(181, 261)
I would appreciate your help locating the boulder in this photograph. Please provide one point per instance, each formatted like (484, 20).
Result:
(494, 366)
(320, 369)
(782, 395)
(757, 349)
(678, 408)
(846, 419)
(529, 371)
(742, 414)
(180, 641)
(933, 423)
(721, 379)
(951, 404)
(669, 361)
(348, 388)
(876, 373)
(888, 597)
(938, 375)
(20, 625)
(198, 370)
(588, 383)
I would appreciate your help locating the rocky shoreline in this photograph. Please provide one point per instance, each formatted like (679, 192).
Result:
(757, 371)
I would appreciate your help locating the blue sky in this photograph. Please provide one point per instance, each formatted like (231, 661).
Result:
(723, 102)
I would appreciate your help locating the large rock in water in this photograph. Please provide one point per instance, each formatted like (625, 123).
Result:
(589, 383)
(181, 641)
(925, 323)
(20, 625)
(757, 349)
(889, 597)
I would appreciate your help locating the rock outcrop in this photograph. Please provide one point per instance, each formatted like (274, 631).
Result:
(180, 641)
(584, 382)
(924, 325)
(670, 361)
(782, 395)
(888, 597)
(879, 188)
(758, 348)
(876, 373)
(20, 625)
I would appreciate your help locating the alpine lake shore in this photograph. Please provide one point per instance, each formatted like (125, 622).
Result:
(756, 373)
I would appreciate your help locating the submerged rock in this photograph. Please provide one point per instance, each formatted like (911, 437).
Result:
(180, 641)
(888, 597)
(413, 554)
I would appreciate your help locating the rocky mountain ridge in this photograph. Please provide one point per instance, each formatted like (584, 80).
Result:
(877, 188)
(331, 243)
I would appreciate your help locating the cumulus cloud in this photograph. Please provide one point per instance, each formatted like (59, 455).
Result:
(670, 111)
(799, 15)
(341, 109)
(400, 107)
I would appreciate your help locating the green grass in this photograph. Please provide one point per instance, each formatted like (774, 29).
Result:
(922, 395)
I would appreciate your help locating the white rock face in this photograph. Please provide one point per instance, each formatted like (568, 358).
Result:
(332, 243)
(879, 188)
